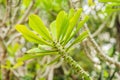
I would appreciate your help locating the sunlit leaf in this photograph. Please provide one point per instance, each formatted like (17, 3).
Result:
(112, 7)
(79, 39)
(79, 26)
(32, 56)
(38, 50)
(53, 30)
(36, 24)
(109, 0)
(29, 35)
(72, 23)
(61, 24)
(71, 13)
(90, 2)
(53, 61)
(17, 65)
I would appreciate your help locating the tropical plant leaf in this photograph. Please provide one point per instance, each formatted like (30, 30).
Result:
(112, 7)
(36, 24)
(29, 35)
(61, 24)
(17, 65)
(53, 30)
(71, 13)
(72, 23)
(53, 61)
(38, 50)
(79, 39)
(79, 26)
(109, 0)
(32, 56)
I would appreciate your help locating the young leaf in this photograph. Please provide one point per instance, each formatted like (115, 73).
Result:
(112, 7)
(17, 65)
(37, 50)
(71, 13)
(72, 23)
(56, 59)
(61, 24)
(36, 24)
(109, 0)
(79, 26)
(29, 35)
(53, 30)
(32, 56)
(79, 39)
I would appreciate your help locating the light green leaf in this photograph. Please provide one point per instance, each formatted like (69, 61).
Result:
(72, 23)
(17, 65)
(71, 13)
(29, 35)
(112, 7)
(79, 39)
(81, 23)
(38, 50)
(53, 30)
(109, 0)
(32, 56)
(90, 2)
(61, 24)
(36, 24)
(79, 26)
(53, 61)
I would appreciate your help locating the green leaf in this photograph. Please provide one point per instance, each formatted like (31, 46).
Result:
(79, 26)
(36, 24)
(38, 50)
(26, 3)
(79, 39)
(29, 35)
(53, 30)
(53, 61)
(90, 2)
(17, 65)
(109, 0)
(71, 13)
(32, 56)
(61, 24)
(72, 23)
(112, 7)
(12, 49)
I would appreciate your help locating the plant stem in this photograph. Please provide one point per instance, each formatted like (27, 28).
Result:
(71, 62)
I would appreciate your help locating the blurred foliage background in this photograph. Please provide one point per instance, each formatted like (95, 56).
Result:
(104, 24)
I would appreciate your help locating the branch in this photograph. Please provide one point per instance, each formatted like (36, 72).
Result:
(87, 52)
(26, 13)
(101, 53)
(100, 28)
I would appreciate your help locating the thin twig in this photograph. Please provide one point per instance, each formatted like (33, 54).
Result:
(101, 53)
(26, 13)
(87, 52)
(101, 27)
